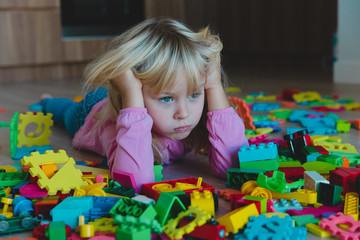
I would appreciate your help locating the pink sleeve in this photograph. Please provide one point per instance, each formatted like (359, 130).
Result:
(133, 152)
(226, 135)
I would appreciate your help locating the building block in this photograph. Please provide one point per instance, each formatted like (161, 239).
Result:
(16, 224)
(312, 180)
(302, 220)
(320, 167)
(211, 230)
(236, 177)
(351, 206)
(204, 200)
(256, 153)
(316, 212)
(168, 206)
(104, 224)
(278, 183)
(306, 96)
(26, 151)
(65, 179)
(238, 218)
(126, 206)
(343, 126)
(158, 172)
(262, 165)
(329, 194)
(345, 177)
(226, 193)
(140, 223)
(242, 202)
(317, 230)
(302, 195)
(261, 107)
(125, 179)
(43, 207)
(56, 231)
(11, 179)
(332, 225)
(283, 205)
(129, 232)
(200, 218)
(243, 111)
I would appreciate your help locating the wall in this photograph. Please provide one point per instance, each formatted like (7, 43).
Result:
(347, 66)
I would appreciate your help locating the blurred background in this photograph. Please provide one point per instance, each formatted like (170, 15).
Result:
(55, 39)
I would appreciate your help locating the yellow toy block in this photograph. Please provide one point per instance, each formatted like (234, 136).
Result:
(92, 178)
(8, 168)
(104, 225)
(64, 180)
(204, 200)
(49, 169)
(237, 219)
(266, 98)
(337, 147)
(351, 106)
(351, 206)
(301, 195)
(42, 132)
(317, 230)
(306, 96)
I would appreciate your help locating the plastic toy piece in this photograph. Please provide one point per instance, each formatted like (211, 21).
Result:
(302, 97)
(43, 207)
(320, 167)
(153, 224)
(226, 193)
(129, 232)
(345, 177)
(16, 224)
(104, 225)
(13, 125)
(262, 165)
(56, 231)
(255, 153)
(343, 126)
(43, 123)
(332, 225)
(238, 218)
(340, 147)
(260, 107)
(23, 207)
(243, 111)
(11, 179)
(211, 230)
(65, 179)
(236, 177)
(134, 208)
(125, 179)
(316, 212)
(204, 200)
(200, 218)
(351, 206)
(317, 230)
(278, 183)
(6, 202)
(284, 205)
(312, 180)
(302, 195)
(158, 172)
(26, 151)
(168, 206)
(329, 194)
(302, 220)
(85, 230)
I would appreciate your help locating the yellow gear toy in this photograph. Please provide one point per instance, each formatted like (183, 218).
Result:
(43, 124)
(201, 217)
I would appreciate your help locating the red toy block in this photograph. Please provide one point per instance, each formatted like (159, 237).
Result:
(148, 190)
(234, 198)
(287, 94)
(345, 177)
(211, 230)
(43, 207)
(321, 150)
(226, 193)
(244, 202)
(125, 179)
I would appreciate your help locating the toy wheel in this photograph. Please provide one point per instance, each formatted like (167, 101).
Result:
(26, 222)
(4, 226)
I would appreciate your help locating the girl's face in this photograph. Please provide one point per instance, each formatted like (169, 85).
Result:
(175, 113)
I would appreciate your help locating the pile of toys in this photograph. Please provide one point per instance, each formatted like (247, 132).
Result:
(305, 181)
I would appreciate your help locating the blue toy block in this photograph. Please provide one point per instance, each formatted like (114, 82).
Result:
(321, 131)
(260, 107)
(256, 153)
(291, 130)
(266, 123)
(318, 122)
(296, 115)
(283, 205)
(312, 157)
(26, 151)
(70, 209)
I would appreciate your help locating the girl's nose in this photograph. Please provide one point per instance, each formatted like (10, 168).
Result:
(181, 112)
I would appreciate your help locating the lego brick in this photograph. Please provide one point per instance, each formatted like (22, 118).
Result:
(329, 194)
(316, 212)
(236, 177)
(278, 183)
(283, 205)
(302, 220)
(312, 180)
(262, 165)
(255, 153)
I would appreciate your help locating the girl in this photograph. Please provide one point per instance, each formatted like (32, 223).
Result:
(165, 99)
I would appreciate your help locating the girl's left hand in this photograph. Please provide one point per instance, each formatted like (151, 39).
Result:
(213, 78)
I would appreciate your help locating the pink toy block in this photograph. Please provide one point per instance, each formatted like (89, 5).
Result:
(332, 225)
(317, 212)
(125, 179)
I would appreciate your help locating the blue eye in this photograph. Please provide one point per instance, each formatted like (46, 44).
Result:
(194, 95)
(166, 99)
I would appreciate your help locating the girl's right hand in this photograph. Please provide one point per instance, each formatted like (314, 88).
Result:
(130, 89)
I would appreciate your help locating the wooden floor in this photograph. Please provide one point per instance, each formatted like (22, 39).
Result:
(16, 97)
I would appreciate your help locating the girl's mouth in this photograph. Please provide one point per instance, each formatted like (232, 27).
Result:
(183, 128)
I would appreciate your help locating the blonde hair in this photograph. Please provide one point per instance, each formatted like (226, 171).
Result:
(155, 50)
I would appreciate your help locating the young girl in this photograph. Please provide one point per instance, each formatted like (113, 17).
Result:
(165, 99)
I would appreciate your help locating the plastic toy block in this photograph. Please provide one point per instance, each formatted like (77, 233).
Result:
(316, 212)
(243, 111)
(43, 207)
(236, 177)
(16, 224)
(153, 190)
(238, 218)
(134, 208)
(70, 209)
(56, 231)
(13, 125)
(260, 107)
(312, 180)
(261, 118)
(204, 200)
(332, 225)
(135, 222)
(355, 123)
(278, 183)
(283, 205)
(8, 168)
(354, 158)
(302, 220)
(144, 199)
(351, 206)
(42, 132)
(65, 179)
(302, 195)
(211, 230)
(262, 165)
(125, 179)
(329, 194)
(129, 232)
(306, 96)
(168, 206)
(297, 115)
(200, 218)
(345, 177)
(104, 224)
(158, 172)
(226, 193)
(292, 173)
(317, 230)
(312, 157)
(11, 179)
(337, 147)
(26, 151)
(23, 207)
(320, 167)
(273, 228)
(96, 178)
(343, 126)
(117, 189)
(282, 113)
(256, 153)
(267, 124)
(39, 232)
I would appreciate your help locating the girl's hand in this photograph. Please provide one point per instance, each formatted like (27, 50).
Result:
(213, 78)
(130, 89)
(215, 94)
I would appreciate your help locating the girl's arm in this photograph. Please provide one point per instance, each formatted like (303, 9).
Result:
(215, 93)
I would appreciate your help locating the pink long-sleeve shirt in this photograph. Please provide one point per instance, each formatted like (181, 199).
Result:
(126, 141)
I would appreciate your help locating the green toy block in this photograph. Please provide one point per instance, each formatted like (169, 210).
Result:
(354, 158)
(282, 113)
(329, 194)
(265, 165)
(56, 231)
(261, 118)
(11, 179)
(278, 182)
(129, 232)
(168, 206)
(126, 206)
(158, 172)
(263, 202)
(343, 126)
(236, 177)
(13, 125)
(302, 220)
(320, 167)
(333, 159)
